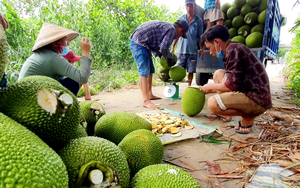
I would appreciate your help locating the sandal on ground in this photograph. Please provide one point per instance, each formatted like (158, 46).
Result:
(218, 117)
(243, 127)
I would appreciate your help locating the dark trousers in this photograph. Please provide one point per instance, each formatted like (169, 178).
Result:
(71, 85)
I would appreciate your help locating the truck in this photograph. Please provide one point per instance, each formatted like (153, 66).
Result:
(266, 52)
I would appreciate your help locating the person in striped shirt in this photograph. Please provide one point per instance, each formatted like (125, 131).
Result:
(212, 13)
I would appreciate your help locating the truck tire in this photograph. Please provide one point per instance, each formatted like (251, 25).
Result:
(202, 78)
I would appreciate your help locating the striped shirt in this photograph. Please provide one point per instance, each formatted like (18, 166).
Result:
(155, 35)
(209, 4)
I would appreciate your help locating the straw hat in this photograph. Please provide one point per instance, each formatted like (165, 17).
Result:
(50, 33)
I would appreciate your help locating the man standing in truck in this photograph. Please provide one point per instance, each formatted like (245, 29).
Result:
(187, 49)
(243, 88)
(213, 13)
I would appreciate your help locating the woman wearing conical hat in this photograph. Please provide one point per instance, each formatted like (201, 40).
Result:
(47, 60)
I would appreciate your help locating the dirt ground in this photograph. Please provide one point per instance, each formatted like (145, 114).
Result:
(193, 154)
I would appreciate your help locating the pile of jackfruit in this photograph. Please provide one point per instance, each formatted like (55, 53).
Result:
(50, 139)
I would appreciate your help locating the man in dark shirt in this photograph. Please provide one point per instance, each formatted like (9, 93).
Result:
(243, 88)
(154, 37)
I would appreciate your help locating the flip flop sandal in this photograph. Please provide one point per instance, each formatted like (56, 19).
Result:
(243, 127)
(218, 117)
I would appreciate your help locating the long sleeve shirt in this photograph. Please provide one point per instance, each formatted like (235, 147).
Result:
(46, 62)
(155, 35)
(245, 73)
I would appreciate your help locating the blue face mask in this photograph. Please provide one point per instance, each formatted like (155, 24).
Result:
(65, 50)
(219, 54)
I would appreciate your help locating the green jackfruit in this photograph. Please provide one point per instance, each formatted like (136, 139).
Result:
(163, 176)
(251, 18)
(163, 74)
(26, 161)
(258, 28)
(115, 126)
(3, 51)
(262, 17)
(245, 9)
(254, 40)
(239, 3)
(263, 5)
(228, 23)
(192, 101)
(91, 112)
(253, 3)
(225, 7)
(164, 63)
(142, 148)
(83, 156)
(81, 92)
(244, 31)
(238, 21)
(232, 32)
(177, 73)
(45, 107)
(239, 39)
(232, 12)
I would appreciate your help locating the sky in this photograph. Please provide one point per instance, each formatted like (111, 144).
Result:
(286, 9)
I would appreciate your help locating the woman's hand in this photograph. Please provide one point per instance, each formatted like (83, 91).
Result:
(85, 47)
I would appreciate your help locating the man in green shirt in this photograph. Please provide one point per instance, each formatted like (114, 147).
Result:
(47, 60)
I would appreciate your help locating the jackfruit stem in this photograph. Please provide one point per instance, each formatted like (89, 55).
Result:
(90, 174)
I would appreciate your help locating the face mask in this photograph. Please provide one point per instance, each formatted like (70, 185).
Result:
(65, 50)
(219, 54)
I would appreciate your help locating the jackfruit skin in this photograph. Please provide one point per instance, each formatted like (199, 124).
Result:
(26, 161)
(83, 150)
(3, 51)
(192, 101)
(163, 176)
(115, 126)
(177, 73)
(19, 101)
(80, 132)
(142, 148)
(89, 116)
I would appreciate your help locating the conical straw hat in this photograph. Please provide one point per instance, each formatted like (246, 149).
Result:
(50, 33)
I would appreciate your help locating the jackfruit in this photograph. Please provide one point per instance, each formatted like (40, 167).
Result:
(95, 162)
(177, 73)
(115, 126)
(91, 111)
(45, 107)
(26, 161)
(142, 148)
(163, 176)
(3, 51)
(81, 92)
(163, 74)
(192, 101)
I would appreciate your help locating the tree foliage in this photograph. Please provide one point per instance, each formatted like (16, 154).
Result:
(108, 23)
